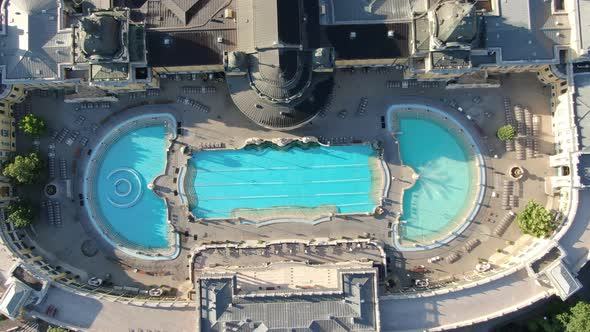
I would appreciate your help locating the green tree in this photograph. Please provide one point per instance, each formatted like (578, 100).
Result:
(24, 169)
(577, 319)
(536, 220)
(56, 329)
(20, 213)
(32, 125)
(506, 133)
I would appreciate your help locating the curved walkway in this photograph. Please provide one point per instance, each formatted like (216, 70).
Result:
(576, 240)
(90, 314)
(490, 300)
(462, 308)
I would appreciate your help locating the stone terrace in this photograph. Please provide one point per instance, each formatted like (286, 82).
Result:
(63, 245)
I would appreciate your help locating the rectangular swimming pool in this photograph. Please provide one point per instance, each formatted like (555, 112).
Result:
(291, 183)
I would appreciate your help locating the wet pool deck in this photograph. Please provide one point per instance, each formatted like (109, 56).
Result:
(62, 246)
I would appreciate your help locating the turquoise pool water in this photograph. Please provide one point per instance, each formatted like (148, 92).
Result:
(129, 210)
(339, 177)
(437, 202)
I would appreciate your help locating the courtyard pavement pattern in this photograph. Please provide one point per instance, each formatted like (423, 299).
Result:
(225, 118)
(214, 127)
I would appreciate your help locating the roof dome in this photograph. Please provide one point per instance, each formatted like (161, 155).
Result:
(280, 75)
(101, 37)
(456, 22)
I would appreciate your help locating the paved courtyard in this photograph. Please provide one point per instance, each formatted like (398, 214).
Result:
(77, 248)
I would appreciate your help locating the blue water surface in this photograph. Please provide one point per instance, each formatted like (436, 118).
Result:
(130, 210)
(439, 197)
(259, 179)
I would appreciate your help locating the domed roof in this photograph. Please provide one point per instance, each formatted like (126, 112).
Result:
(280, 75)
(101, 36)
(456, 22)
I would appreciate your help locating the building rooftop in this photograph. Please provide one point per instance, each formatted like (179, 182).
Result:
(365, 12)
(281, 115)
(14, 298)
(370, 41)
(353, 309)
(184, 14)
(269, 24)
(584, 169)
(583, 25)
(180, 48)
(456, 23)
(582, 109)
(563, 280)
(34, 48)
(527, 23)
(195, 33)
(101, 36)
(275, 85)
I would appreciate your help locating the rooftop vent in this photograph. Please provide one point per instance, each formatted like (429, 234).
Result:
(390, 34)
(220, 39)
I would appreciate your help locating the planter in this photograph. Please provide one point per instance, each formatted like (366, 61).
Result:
(50, 190)
(516, 172)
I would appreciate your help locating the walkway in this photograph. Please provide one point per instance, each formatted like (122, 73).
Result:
(461, 307)
(91, 314)
(489, 300)
(577, 239)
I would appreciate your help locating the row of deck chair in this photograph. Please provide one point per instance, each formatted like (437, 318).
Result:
(520, 147)
(53, 213)
(519, 116)
(362, 109)
(507, 191)
(504, 223)
(471, 244)
(63, 170)
(508, 114)
(195, 90)
(528, 122)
